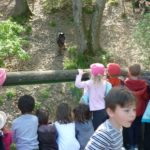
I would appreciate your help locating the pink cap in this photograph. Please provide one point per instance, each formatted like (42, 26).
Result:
(2, 76)
(113, 69)
(97, 69)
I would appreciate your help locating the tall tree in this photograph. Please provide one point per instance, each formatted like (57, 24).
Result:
(22, 9)
(88, 40)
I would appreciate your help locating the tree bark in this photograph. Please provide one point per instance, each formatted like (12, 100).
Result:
(40, 77)
(96, 24)
(78, 19)
(22, 9)
(88, 40)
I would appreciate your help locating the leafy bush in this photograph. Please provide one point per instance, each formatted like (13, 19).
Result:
(11, 42)
(52, 23)
(10, 93)
(77, 60)
(52, 6)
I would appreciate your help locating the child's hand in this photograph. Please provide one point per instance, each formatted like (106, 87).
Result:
(80, 71)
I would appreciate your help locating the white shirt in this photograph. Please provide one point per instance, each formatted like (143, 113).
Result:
(66, 136)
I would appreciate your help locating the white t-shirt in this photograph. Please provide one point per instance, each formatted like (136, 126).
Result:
(66, 136)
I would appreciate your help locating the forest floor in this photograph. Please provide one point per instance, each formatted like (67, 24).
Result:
(117, 39)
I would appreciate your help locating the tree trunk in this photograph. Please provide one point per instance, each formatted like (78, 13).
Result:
(78, 19)
(88, 40)
(96, 24)
(22, 9)
(53, 76)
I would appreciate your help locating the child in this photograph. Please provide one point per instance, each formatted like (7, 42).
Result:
(96, 89)
(120, 106)
(47, 133)
(25, 126)
(139, 88)
(83, 124)
(113, 71)
(6, 135)
(66, 128)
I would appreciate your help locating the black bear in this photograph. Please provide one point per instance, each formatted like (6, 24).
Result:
(61, 42)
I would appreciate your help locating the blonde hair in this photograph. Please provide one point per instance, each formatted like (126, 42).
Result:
(97, 79)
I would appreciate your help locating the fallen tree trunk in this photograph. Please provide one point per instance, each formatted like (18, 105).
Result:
(50, 76)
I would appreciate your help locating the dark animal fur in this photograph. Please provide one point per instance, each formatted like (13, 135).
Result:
(61, 42)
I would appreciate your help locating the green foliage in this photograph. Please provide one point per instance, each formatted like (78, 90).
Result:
(75, 92)
(77, 60)
(43, 94)
(11, 41)
(52, 23)
(113, 2)
(2, 98)
(13, 147)
(10, 93)
(38, 105)
(52, 6)
(88, 9)
(142, 35)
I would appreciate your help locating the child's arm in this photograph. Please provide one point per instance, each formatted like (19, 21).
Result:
(78, 82)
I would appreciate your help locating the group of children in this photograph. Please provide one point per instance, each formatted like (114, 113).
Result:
(71, 129)
(97, 97)
(111, 115)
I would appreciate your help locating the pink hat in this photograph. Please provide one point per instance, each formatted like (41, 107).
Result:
(2, 76)
(113, 69)
(97, 69)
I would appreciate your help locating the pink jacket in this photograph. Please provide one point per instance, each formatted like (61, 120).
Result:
(96, 92)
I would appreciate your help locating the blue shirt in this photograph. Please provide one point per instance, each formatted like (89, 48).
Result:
(24, 130)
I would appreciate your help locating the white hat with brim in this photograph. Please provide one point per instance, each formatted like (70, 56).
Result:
(3, 118)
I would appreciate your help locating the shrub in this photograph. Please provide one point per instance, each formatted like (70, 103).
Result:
(11, 42)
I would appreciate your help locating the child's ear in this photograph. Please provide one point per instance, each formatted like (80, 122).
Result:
(110, 112)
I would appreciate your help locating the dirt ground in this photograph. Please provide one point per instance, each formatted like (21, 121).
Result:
(117, 39)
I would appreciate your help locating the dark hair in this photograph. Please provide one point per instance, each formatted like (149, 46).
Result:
(119, 96)
(63, 113)
(43, 116)
(82, 113)
(135, 69)
(26, 104)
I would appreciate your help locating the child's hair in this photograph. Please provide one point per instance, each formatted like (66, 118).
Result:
(119, 96)
(82, 113)
(97, 72)
(26, 104)
(43, 116)
(135, 69)
(63, 113)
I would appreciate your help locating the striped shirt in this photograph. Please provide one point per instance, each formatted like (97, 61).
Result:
(106, 137)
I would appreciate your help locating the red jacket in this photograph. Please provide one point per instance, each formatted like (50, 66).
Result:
(140, 90)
